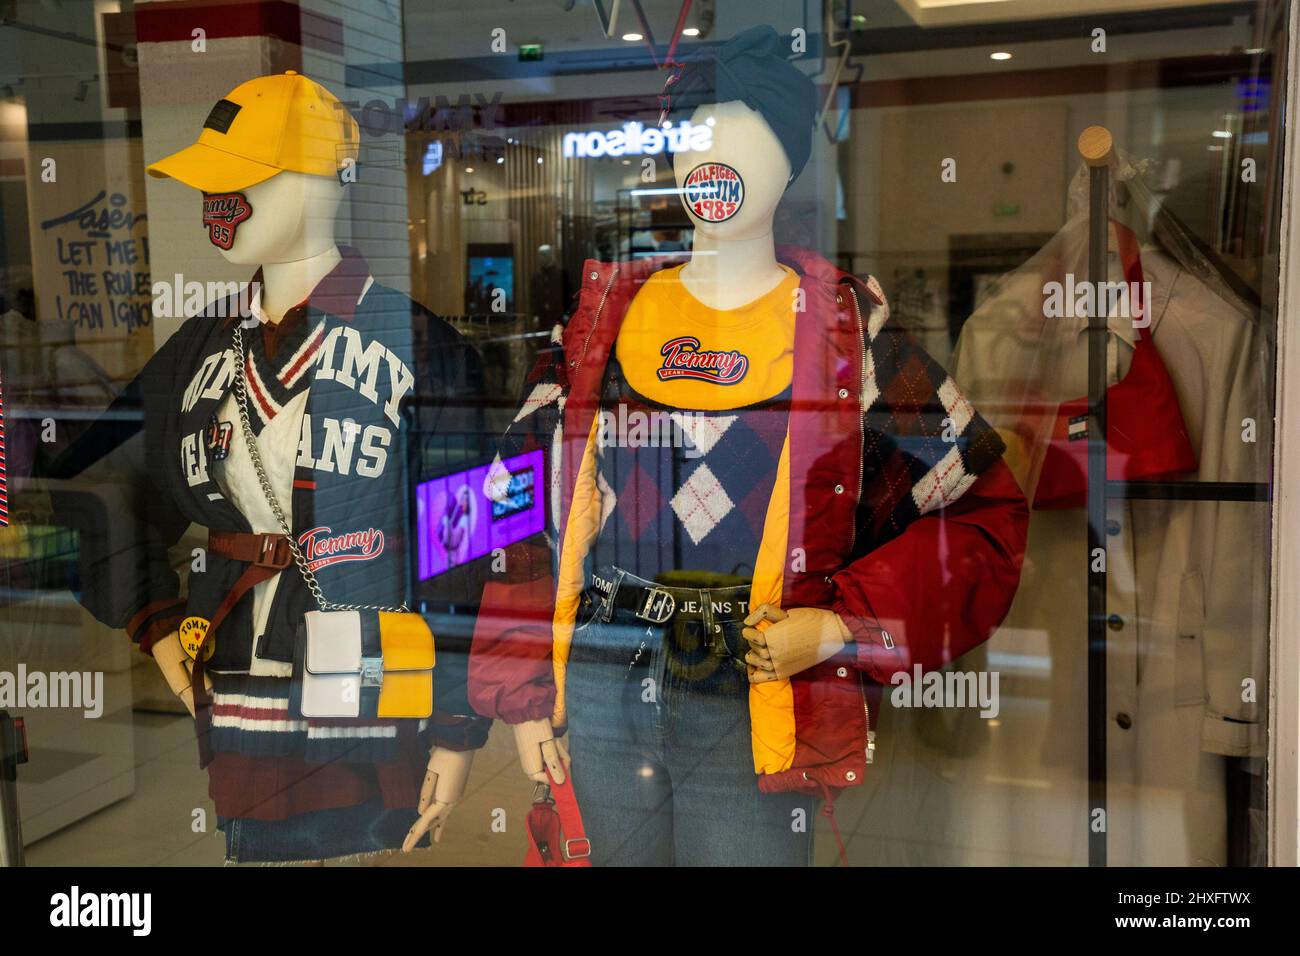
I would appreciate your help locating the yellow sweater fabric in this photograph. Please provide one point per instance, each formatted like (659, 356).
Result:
(680, 353)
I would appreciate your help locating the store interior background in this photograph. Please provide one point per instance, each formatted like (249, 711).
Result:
(477, 184)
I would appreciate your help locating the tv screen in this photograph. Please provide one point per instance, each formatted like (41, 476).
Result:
(490, 278)
(456, 522)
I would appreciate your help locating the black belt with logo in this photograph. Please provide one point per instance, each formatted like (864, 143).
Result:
(662, 604)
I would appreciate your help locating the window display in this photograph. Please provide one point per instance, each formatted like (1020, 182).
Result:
(694, 434)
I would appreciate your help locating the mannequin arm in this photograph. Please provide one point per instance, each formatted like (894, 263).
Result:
(942, 586)
(444, 785)
(510, 674)
(794, 640)
(177, 668)
(540, 750)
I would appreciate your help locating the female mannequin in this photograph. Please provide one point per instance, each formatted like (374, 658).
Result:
(733, 262)
(717, 606)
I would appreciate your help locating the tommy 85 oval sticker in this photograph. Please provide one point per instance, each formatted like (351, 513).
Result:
(714, 191)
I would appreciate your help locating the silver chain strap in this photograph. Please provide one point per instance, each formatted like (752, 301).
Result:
(241, 399)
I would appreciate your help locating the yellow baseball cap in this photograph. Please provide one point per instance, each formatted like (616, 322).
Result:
(262, 127)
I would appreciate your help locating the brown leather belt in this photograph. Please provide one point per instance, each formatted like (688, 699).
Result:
(265, 550)
(266, 556)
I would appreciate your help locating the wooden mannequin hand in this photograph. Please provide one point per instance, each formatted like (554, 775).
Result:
(795, 641)
(444, 785)
(540, 750)
(176, 668)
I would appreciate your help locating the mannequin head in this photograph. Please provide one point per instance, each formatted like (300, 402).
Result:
(731, 190)
(268, 162)
(761, 108)
(286, 218)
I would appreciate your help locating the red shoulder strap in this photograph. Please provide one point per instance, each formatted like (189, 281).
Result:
(555, 833)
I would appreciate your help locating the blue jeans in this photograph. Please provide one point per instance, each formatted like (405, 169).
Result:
(660, 736)
(321, 834)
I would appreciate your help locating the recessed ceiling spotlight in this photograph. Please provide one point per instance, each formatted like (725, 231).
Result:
(469, 169)
(633, 37)
(1000, 55)
(691, 32)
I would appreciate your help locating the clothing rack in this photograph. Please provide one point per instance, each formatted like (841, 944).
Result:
(1095, 146)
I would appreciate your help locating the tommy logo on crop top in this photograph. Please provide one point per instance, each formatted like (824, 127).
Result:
(683, 358)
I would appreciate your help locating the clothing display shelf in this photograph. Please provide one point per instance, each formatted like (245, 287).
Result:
(1095, 145)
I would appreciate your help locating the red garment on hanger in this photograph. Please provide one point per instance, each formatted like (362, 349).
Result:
(1146, 436)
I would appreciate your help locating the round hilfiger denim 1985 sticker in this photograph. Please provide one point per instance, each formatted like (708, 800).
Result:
(713, 192)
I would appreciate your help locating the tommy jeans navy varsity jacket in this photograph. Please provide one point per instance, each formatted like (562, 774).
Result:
(396, 398)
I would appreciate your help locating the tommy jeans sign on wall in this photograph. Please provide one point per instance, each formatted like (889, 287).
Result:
(713, 192)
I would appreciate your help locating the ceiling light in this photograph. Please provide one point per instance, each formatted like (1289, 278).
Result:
(633, 37)
(1222, 134)
(469, 169)
(691, 32)
(1000, 55)
(500, 160)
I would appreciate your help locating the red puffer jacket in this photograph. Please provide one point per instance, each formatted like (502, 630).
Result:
(902, 518)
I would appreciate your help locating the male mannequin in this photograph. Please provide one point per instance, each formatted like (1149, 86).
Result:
(335, 443)
(295, 250)
(290, 237)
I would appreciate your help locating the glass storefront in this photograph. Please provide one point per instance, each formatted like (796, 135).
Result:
(817, 432)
